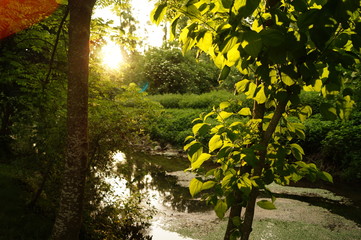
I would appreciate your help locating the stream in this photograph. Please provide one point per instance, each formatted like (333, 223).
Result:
(163, 186)
(163, 183)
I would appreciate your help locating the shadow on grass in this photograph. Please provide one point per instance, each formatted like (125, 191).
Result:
(349, 211)
(17, 221)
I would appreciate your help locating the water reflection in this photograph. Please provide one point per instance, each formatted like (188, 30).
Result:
(151, 176)
(157, 179)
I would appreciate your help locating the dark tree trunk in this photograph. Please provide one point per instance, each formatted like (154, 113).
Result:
(68, 221)
(235, 211)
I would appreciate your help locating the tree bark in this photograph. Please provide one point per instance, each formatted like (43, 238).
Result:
(69, 218)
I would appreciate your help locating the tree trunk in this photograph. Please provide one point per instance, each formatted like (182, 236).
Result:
(266, 136)
(235, 211)
(68, 220)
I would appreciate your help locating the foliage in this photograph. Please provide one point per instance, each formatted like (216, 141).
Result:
(280, 48)
(173, 126)
(340, 148)
(202, 101)
(166, 70)
(125, 219)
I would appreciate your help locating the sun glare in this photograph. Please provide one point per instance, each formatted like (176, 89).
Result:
(112, 55)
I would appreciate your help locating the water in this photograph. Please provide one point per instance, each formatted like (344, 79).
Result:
(162, 182)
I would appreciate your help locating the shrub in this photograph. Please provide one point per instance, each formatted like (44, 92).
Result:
(312, 99)
(203, 101)
(341, 147)
(173, 126)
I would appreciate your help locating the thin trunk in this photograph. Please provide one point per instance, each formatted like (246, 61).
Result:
(69, 218)
(266, 136)
(235, 211)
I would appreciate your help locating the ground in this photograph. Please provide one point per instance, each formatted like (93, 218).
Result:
(301, 214)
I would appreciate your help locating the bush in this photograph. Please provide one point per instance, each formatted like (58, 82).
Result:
(341, 148)
(312, 99)
(203, 101)
(173, 126)
(334, 145)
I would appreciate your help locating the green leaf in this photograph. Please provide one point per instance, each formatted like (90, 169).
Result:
(237, 221)
(246, 7)
(158, 13)
(233, 55)
(195, 186)
(297, 151)
(208, 185)
(307, 19)
(230, 43)
(227, 179)
(224, 73)
(272, 37)
(326, 176)
(221, 208)
(328, 111)
(252, 43)
(227, 3)
(173, 27)
(300, 5)
(200, 160)
(215, 142)
(266, 205)
(304, 113)
(200, 128)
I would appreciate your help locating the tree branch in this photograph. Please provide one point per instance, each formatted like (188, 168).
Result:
(47, 79)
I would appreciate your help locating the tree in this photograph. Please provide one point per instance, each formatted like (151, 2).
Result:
(281, 47)
(68, 221)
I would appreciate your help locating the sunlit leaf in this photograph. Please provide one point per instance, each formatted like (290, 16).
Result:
(200, 160)
(304, 113)
(251, 90)
(158, 13)
(200, 128)
(224, 105)
(205, 42)
(195, 186)
(221, 208)
(245, 112)
(208, 185)
(260, 96)
(266, 205)
(224, 115)
(287, 80)
(241, 86)
(215, 142)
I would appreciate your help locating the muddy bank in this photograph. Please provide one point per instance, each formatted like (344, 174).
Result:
(301, 214)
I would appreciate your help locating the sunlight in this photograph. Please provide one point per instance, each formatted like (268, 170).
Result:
(111, 55)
